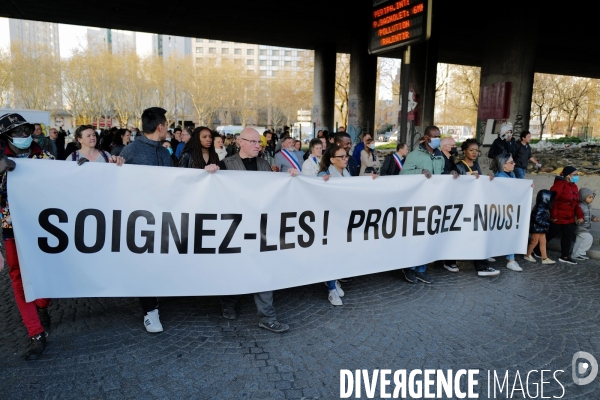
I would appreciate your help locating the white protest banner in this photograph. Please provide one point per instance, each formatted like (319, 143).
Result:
(99, 230)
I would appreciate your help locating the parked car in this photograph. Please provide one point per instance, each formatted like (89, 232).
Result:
(393, 137)
(307, 138)
(384, 137)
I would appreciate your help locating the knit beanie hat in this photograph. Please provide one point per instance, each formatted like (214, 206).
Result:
(505, 130)
(568, 170)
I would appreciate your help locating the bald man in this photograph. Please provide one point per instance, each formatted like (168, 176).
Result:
(247, 160)
(448, 147)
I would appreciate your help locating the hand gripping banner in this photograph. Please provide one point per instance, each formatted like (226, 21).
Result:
(99, 230)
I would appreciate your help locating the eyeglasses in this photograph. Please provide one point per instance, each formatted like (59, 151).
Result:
(252, 142)
(344, 157)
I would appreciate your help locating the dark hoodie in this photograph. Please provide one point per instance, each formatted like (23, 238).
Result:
(144, 151)
(540, 215)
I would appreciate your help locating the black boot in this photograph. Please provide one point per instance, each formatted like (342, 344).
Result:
(44, 319)
(36, 347)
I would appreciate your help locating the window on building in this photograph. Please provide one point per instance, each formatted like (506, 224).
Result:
(199, 50)
(263, 52)
(237, 61)
(199, 60)
(198, 40)
(237, 51)
(288, 63)
(212, 61)
(249, 62)
(273, 73)
(262, 62)
(224, 50)
(300, 53)
(288, 53)
(212, 41)
(250, 52)
(274, 52)
(263, 73)
(249, 71)
(212, 50)
(275, 63)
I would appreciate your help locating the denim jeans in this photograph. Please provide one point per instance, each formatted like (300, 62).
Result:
(420, 268)
(331, 285)
(510, 257)
(519, 173)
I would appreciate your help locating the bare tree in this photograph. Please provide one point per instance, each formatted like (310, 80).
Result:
(342, 86)
(572, 92)
(544, 99)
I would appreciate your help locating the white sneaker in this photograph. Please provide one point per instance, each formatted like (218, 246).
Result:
(489, 271)
(334, 298)
(338, 287)
(514, 266)
(491, 259)
(548, 261)
(451, 267)
(530, 258)
(152, 322)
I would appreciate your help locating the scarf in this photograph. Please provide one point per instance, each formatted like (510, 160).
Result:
(335, 173)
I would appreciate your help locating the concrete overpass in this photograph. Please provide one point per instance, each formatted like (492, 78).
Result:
(510, 40)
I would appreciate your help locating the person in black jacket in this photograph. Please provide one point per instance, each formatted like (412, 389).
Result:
(342, 139)
(199, 151)
(504, 142)
(539, 224)
(392, 165)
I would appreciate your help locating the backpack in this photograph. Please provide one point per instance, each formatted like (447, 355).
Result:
(75, 155)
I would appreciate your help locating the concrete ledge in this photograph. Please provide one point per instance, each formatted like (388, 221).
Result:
(593, 253)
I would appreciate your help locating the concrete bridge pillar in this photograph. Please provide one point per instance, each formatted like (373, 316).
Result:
(363, 84)
(509, 57)
(324, 87)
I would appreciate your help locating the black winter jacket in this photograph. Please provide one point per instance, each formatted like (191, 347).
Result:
(540, 215)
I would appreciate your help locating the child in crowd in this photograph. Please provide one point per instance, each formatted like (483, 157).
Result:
(584, 237)
(539, 225)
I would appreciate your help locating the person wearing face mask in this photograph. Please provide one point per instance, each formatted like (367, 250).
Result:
(16, 141)
(427, 159)
(565, 213)
(167, 145)
(392, 165)
(448, 148)
(504, 142)
(369, 164)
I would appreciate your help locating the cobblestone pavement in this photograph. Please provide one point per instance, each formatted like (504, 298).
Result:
(98, 348)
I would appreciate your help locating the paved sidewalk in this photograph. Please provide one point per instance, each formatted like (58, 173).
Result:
(536, 319)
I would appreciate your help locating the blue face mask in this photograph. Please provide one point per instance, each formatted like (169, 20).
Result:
(575, 179)
(435, 143)
(170, 150)
(22, 143)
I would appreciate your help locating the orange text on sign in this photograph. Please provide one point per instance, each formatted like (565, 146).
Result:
(395, 38)
(391, 8)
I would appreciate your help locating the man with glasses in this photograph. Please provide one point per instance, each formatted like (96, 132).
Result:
(247, 160)
(16, 141)
(186, 135)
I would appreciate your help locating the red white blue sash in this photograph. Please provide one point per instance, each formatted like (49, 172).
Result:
(398, 161)
(286, 154)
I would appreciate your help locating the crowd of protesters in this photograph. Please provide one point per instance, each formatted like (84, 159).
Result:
(562, 209)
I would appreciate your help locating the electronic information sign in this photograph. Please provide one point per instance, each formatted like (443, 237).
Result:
(397, 23)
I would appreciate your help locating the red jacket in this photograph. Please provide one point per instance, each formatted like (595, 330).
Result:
(565, 209)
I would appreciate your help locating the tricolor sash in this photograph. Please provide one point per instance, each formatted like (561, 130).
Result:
(398, 161)
(286, 154)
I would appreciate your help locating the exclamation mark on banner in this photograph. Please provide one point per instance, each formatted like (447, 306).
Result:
(325, 223)
(518, 215)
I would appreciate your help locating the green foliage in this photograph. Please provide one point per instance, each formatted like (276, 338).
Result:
(562, 140)
(387, 146)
